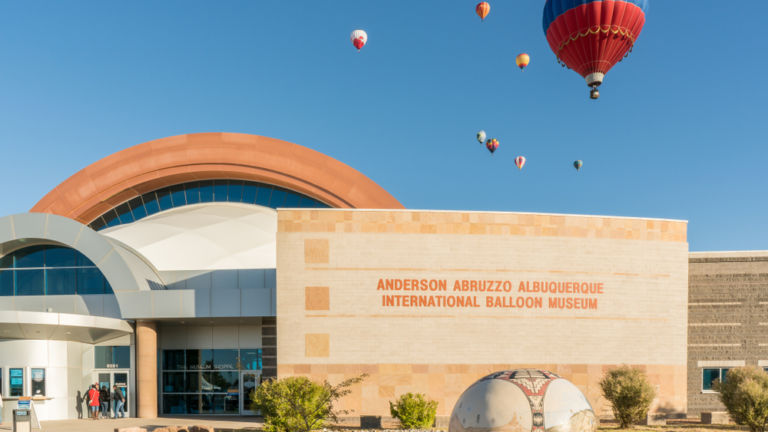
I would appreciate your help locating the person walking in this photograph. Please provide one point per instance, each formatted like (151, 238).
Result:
(119, 402)
(104, 399)
(93, 401)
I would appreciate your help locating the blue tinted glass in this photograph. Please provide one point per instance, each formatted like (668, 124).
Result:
(6, 283)
(263, 196)
(83, 261)
(107, 286)
(30, 282)
(137, 207)
(249, 194)
(31, 257)
(97, 224)
(60, 281)
(235, 191)
(206, 191)
(177, 196)
(220, 190)
(278, 198)
(723, 374)
(708, 377)
(90, 281)
(56, 256)
(193, 193)
(150, 203)
(124, 213)
(292, 200)
(164, 198)
(6, 261)
(111, 219)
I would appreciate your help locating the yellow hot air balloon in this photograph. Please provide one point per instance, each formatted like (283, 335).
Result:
(522, 60)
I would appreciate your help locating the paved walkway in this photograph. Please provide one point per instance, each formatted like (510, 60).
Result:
(109, 425)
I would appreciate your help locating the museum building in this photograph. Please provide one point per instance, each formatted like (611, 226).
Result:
(188, 269)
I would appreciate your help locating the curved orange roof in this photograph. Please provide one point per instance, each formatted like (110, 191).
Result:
(204, 156)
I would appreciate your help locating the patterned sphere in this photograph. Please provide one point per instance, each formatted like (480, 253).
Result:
(522, 400)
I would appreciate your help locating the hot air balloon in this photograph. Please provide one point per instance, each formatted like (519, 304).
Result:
(359, 38)
(481, 136)
(591, 36)
(482, 10)
(520, 162)
(578, 164)
(522, 60)
(492, 144)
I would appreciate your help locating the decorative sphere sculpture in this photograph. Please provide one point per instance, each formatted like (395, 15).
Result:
(522, 400)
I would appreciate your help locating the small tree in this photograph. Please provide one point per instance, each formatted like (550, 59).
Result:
(414, 411)
(629, 393)
(745, 395)
(296, 404)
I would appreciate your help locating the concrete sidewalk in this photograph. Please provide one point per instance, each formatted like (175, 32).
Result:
(109, 425)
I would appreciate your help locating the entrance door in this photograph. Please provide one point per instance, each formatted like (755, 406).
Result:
(248, 382)
(119, 379)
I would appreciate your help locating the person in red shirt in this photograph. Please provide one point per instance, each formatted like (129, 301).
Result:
(93, 401)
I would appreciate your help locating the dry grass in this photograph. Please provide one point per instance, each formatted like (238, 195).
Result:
(672, 426)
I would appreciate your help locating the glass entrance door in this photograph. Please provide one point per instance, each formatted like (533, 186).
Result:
(248, 382)
(110, 379)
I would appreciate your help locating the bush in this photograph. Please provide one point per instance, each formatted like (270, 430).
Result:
(629, 393)
(745, 395)
(298, 404)
(414, 411)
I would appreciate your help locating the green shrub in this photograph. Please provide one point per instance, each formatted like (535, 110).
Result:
(414, 411)
(297, 404)
(629, 393)
(745, 395)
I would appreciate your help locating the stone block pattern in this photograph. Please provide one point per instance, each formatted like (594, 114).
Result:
(641, 318)
(728, 318)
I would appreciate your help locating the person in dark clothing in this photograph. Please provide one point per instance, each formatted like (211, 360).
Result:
(119, 402)
(104, 399)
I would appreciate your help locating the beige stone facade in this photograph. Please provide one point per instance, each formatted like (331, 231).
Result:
(430, 301)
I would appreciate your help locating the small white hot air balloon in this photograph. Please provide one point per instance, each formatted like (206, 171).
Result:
(359, 38)
(481, 137)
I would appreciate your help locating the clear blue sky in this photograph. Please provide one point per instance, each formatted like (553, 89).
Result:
(681, 129)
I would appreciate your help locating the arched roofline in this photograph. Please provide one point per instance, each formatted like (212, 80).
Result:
(153, 165)
(125, 269)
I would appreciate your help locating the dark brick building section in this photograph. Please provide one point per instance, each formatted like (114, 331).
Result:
(269, 347)
(727, 318)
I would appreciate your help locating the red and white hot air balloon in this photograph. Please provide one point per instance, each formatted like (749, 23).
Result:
(520, 162)
(359, 38)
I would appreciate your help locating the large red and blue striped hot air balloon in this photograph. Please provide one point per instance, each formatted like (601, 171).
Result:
(591, 36)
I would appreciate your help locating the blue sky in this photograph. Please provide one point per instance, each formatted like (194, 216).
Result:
(680, 131)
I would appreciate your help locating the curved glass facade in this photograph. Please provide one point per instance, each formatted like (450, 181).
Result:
(200, 192)
(50, 270)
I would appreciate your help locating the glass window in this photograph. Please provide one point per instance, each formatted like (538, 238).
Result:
(249, 194)
(250, 359)
(112, 357)
(225, 359)
(220, 190)
(31, 257)
(150, 203)
(124, 213)
(30, 282)
(263, 195)
(111, 219)
(235, 192)
(278, 198)
(710, 375)
(193, 193)
(38, 381)
(193, 382)
(6, 261)
(174, 404)
(60, 281)
(206, 191)
(199, 359)
(60, 257)
(292, 200)
(193, 403)
(6, 283)
(173, 360)
(90, 281)
(178, 198)
(137, 207)
(173, 382)
(16, 382)
(164, 198)
(98, 224)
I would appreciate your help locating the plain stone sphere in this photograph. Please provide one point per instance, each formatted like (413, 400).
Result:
(522, 400)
